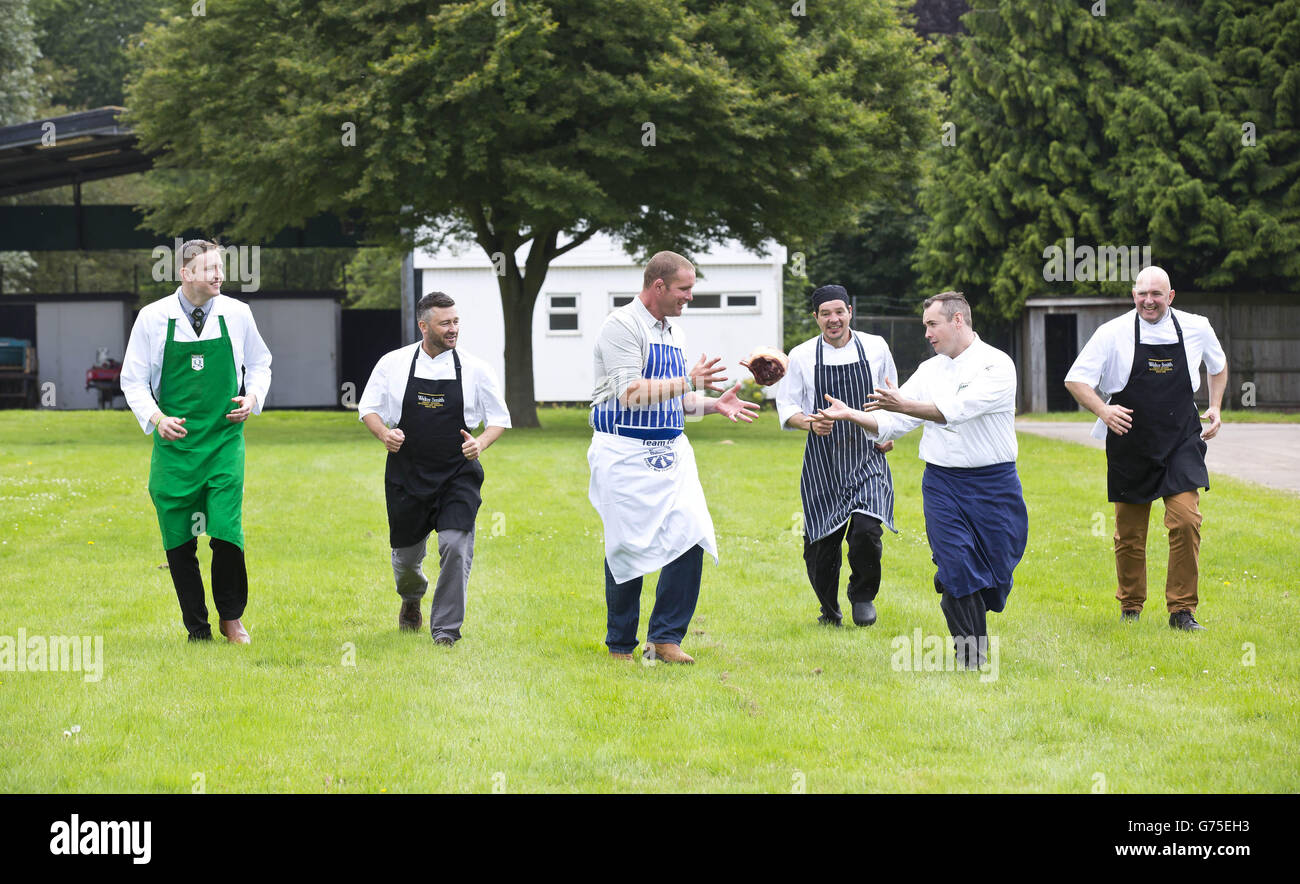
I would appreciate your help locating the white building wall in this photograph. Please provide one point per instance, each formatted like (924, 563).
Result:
(562, 360)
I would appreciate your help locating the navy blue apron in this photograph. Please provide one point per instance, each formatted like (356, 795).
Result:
(429, 484)
(1163, 452)
(844, 472)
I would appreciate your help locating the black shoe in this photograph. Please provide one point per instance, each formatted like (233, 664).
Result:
(823, 620)
(864, 613)
(1129, 616)
(1184, 620)
(444, 640)
(409, 618)
(201, 636)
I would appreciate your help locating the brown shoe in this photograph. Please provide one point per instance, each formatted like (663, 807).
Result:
(618, 655)
(667, 653)
(235, 632)
(409, 618)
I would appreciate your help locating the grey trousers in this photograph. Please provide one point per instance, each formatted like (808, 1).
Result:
(455, 555)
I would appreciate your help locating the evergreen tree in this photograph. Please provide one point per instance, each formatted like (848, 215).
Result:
(1118, 129)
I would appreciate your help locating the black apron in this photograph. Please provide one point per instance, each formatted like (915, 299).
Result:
(844, 472)
(1163, 452)
(429, 484)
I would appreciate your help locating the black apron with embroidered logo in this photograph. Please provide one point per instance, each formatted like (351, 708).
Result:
(428, 482)
(844, 472)
(1163, 452)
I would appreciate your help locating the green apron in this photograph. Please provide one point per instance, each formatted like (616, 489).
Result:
(203, 471)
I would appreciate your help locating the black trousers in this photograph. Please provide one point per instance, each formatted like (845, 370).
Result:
(968, 624)
(823, 557)
(229, 584)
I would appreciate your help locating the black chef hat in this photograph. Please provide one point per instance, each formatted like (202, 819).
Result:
(829, 293)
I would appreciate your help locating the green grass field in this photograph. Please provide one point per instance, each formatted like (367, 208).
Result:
(1234, 416)
(330, 697)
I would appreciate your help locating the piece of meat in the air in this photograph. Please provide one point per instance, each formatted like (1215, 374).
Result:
(767, 364)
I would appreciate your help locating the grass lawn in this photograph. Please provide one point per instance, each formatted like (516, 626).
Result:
(1230, 416)
(330, 697)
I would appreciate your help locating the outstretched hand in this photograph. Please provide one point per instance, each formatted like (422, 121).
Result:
(886, 398)
(708, 375)
(836, 411)
(732, 407)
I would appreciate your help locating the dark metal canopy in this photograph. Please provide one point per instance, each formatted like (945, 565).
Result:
(59, 151)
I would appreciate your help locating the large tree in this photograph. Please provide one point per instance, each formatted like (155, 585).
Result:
(22, 92)
(527, 127)
(1166, 124)
(88, 39)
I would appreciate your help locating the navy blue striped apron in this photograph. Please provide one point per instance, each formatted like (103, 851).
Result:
(844, 472)
(662, 421)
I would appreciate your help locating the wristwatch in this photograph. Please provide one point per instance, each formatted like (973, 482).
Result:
(690, 384)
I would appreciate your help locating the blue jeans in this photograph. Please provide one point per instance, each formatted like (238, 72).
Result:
(675, 597)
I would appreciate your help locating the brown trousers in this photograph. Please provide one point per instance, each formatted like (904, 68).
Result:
(1183, 519)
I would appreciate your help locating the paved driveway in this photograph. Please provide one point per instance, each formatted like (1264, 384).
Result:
(1265, 453)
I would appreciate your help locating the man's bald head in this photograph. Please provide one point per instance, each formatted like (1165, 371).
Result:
(1152, 278)
(1152, 294)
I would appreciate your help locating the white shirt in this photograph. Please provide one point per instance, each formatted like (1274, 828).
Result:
(387, 386)
(142, 364)
(623, 347)
(796, 393)
(976, 394)
(1107, 359)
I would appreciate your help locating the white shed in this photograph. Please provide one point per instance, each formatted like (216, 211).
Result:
(736, 307)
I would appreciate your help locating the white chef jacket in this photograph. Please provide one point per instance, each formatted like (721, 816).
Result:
(976, 394)
(387, 386)
(142, 364)
(1106, 361)
(796, 391)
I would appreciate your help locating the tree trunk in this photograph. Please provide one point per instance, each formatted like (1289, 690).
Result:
(517, 309)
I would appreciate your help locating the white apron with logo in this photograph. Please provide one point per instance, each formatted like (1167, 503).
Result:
(648, 495)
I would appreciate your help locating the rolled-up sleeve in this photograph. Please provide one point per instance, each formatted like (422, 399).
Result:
(791, 395)
(136, 375)
(492, 405)
(375, 398)
(1091, 361)
(891, 370)
(1212, 354)
(257, 363)
(618, 353)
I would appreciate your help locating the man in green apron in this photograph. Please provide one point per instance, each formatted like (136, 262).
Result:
(1148, 363)
(183, 368)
